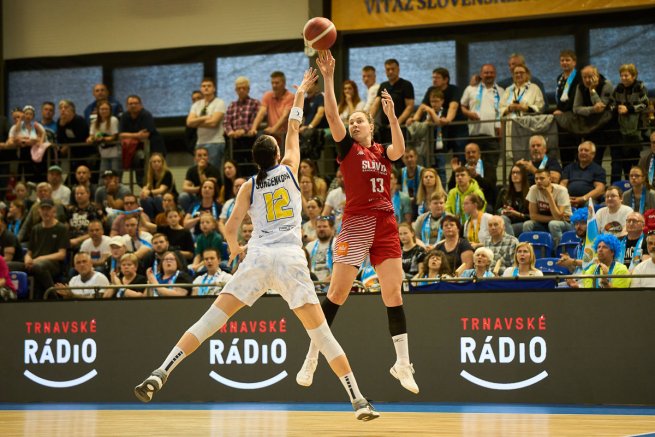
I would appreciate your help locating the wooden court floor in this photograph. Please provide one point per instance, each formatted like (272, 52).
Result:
(114, 423)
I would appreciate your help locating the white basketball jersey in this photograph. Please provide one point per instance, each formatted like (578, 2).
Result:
(275, 209)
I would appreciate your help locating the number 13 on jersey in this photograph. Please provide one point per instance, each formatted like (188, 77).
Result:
(377, 185)
(277, 204)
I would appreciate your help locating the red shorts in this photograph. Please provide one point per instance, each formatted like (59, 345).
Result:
(362, 235)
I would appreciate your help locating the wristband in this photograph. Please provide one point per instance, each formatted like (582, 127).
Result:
(296, 114)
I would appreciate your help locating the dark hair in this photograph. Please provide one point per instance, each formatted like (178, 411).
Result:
(278, 74)
(228, 184)
(212, 249)
(569, 54)
(391, 61)
(368, 68)
(264, 153)
(48, 102)
(443, 72)
(159, 234)
(319, 201)
(208, 79)
(133, 96)
(445, 265)
(512, 196)
(451, 218)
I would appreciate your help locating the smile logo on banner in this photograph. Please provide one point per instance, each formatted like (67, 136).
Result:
(56, 348)
(503, 353)
(250, 354)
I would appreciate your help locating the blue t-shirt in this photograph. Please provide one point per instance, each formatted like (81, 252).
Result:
(581, 181)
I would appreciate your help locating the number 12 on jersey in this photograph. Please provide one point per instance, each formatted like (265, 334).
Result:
(377, 185)
(276, 205)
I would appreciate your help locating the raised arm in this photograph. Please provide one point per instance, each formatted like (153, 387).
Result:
(397, 148)
(292, 142)
(325, 63)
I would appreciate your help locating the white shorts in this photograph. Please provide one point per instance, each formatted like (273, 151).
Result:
(281, 268)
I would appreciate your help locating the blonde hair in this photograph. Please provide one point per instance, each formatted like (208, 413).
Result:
(630, 68)
(421, 195)
(151, 177)
(532, 256)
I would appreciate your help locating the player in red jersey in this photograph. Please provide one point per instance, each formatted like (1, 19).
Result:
(369, 226)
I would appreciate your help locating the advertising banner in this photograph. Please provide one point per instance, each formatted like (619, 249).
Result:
(548, 346)
(349, 15)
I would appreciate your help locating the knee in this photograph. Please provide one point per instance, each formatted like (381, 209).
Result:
(528, 226)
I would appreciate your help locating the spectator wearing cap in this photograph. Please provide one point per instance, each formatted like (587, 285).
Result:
(647, 267)
(46, 252)
(321, 250)
(111, 194)
(43, 192)
(72, 129)
(607, 248)
(60, 192)
(117, 249)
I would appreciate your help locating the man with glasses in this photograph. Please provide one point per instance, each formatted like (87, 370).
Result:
(647, 267)
(131, 209)
(647, 162)
(634, 245)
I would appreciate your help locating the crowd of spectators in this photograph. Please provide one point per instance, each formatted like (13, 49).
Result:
(454, 221)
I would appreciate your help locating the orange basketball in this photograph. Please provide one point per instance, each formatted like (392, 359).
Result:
(320, 33)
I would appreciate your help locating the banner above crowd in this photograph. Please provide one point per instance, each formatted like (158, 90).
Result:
(350, 15)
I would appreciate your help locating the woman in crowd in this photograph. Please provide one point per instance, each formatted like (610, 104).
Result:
(483, 258)
(23, 193)
(129, 264)
(629, 101)
(612, 217)
(640, 197)
(430, 183)
(476, 228)
(307, 192)
(159, 180)
(230, 173)
(524, 262)
(308, 168)
(16, 216)
(26, 134)
(314, 207)
(520, 98)
(168, 202)
(458, 250)
(170, 273)
(207, 203)
(412, 255)
(349, 101)
(103, 132)
(511, 204)
(434, 266)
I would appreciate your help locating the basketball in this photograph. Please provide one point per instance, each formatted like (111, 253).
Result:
(320, 33)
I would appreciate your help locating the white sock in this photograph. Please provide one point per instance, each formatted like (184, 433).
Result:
(313, 351)
(401, 344)
(350, 384)
(174, 358)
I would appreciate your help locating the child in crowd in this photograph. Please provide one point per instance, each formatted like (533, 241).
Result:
(209, 238)
(179, 238)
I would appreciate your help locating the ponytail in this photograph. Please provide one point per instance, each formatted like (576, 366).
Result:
(264, 153)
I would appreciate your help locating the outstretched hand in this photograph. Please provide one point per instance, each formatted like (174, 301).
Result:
(308, 80)
(325, 63)
(387, 105)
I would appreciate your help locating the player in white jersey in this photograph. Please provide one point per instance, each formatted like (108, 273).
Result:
(275, 260)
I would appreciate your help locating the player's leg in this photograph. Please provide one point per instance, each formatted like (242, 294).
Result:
(343, 276)
(390, 276)
(314, 322)
(216, 316)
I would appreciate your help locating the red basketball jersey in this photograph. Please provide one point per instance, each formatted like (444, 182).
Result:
(366, 179)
